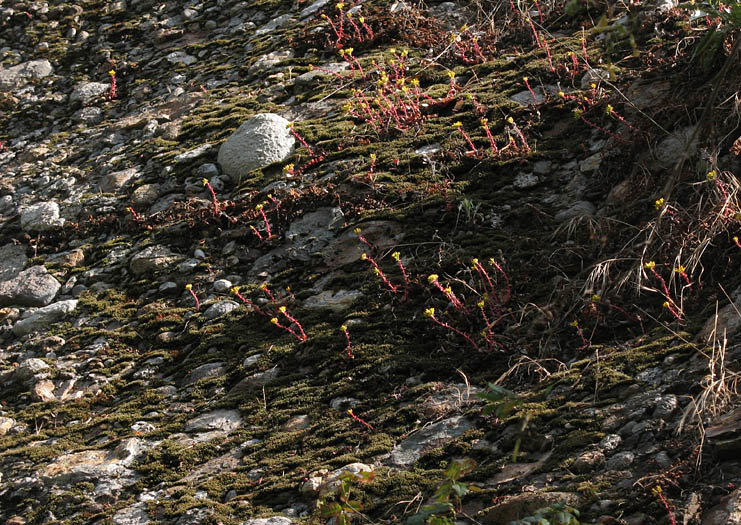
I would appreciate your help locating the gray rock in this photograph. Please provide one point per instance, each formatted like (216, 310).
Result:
(588, 461)
(411, 449)
(86, 92)
(274, 24)
(727, 512)
(220, 420)
(118, 179)
(336, 301)
(621, 461)
(181, 57)
(21, 74)
(313, 8)
(311, 78)
(594, 76)
(13, 259)
(6, 423)
(41, 217)
(678, 145)
(32, 287)
(29, 368)
(42, 317)
(220, 308)
(525, 180)
(266, 62)
(89, 115)
(666, 406)
(222, 285)
(152, 259)
(577, 209)
(272, 520)
(256, 380)
(610, 442)
(193, 154)
(258, 142)
(205, 371)
(136, 514)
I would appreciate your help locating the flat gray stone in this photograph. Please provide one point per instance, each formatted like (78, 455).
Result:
(136, 514)
(32, 287)
(13, 259)
(42, 317)
(86, 92)
(220, 308)
(152, 259)
(412, 448)
(272, 520)
(41, 217)
(205, 371)
(21, 74)
(220, 420)
(258, 142)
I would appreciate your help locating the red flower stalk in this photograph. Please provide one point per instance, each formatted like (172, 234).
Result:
(235, 291)
(492, 143)
(217, 212)
(260, 208)
(535, 32)
(611, 111)
(288, 316)
(354, 26)
(266, 290)
(356, 418)
(527, 84)
(525, 146)
(735, 240)
(681, 271)
(370, 173)
(112, 93)
(659, 494)
(397, 257)
(377, 270)
(288, 329)
(363, 239)
(350, 59)
(256, 232)
(548, 54)
(433, 280)
(343, 329)
(189, 287)
(496, 265)
(430, 312)
(134, 215)
(585, 343)
(459, 126)
(300, 138)
(366, 27)
(669, 304)
(584, 50)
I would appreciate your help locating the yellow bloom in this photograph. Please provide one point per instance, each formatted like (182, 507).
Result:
(659, 203)
(112, 73)
(373, 157)
(609, 109)
(357, 231)
(188, 286)
(480, 304)
(666, 304)
(396, 256)
(451, 74)
(362, 19)
(376, 271)
(287, 168)
(263, 287)
(510, 120)
(561, 94)
(339, 5)
(430, 312)
(457, 124)
(363, 257)
(596, 298)
(234, 290)
(484, 122)
(432, 278)
(259, 207)
(343, 328)
(274, 320)
(404, 52)
(448, 290)
(574, 323)
(650, 265)
(525, 79)
(680, 269)
(711, 174)
(474, 261)
(348, 14)
(392, 50)
(349, 50)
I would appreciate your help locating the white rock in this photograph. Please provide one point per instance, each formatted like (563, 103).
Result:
(88, 91)
(41, 217)
(260, 141)
(21, 74)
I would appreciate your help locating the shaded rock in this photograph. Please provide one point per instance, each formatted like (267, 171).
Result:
(256, 380)
(588, 461)
(346, 248)
(676, 146)
(621, 461)
(723, 324)
(296, 423)
(335, 301)
(513, 471)
(311, 78)
(524, 505)
(69, 259)
(221, 420)
(21, 74)
(728, 511)
(13, 259)
(193, 154)
(32, 287)
(153, 258)
(205, 371)
(435, 435)
(593, 76)
(577, 209)
(258, 142)
(44, 316)
(41, 217)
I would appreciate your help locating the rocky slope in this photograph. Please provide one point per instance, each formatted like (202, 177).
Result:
(273, 262)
